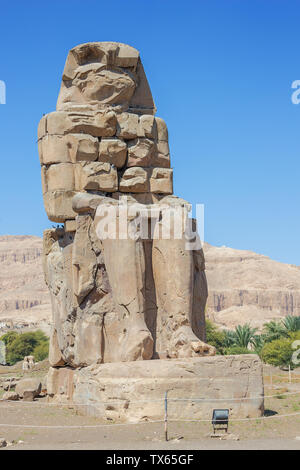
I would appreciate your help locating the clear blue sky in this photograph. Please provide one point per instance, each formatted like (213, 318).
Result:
(221, 75)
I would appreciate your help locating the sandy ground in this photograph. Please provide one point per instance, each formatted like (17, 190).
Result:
(46, 426)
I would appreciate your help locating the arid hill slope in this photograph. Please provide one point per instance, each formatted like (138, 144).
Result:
(247, 287)
(24, 297)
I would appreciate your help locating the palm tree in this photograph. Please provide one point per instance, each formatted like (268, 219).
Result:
(258, 343)
(244, 335)
(229, 338)
(291, 324)
(273, 330)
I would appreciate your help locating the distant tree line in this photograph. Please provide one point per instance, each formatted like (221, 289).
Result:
(274, 344)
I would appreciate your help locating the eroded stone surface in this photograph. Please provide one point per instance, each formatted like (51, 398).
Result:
(128, 125)
(31, 385)
(58, 205)
(114, 151)
(108, 295)
(95, 123)
(69, 148)
(96, 176)
(161, 181)
(130, 392)
(135, 180)
(141, 152)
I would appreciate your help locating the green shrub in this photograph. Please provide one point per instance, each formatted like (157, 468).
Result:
(41, 351)
(237, 350)
(279, 352)
(20, 345)
(215, 337)
(9, 337)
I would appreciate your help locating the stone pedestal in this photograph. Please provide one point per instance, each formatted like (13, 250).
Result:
(135, 391)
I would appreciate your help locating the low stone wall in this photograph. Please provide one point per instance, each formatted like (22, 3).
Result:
(135, 391)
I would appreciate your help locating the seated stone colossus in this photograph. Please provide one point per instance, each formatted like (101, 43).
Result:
(116, 298)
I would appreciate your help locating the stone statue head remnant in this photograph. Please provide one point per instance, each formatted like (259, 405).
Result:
(103, 75)
(118, 298)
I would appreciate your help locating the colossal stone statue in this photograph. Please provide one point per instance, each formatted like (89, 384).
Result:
(126, 272)
(115, 299)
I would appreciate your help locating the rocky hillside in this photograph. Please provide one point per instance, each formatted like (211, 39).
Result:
(243, 286)
(24, 298)
(248, 287)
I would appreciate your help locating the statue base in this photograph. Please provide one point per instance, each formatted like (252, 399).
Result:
(135, 391)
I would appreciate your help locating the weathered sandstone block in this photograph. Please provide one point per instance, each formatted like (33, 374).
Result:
(70, 225)
(87, 202)
(135, 180)
(141, 152)
(10, 396)
(135, 391)
(58, 205)
(128, 125)
(162, 155)
(53, 149)
(60, 382)
(97, 124)
(147, 127)
(161, 181)
(142, 198)
(162, 130)
(113, 151)
(69, 148)
(82, 147)
(96, 176)
(42, 127)
(60, 176)
(55, 355)
(29, 385)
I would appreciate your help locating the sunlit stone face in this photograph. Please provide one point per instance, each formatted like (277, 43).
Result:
(107, 85)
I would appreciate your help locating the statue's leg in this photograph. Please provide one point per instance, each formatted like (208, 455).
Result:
(200, 295)
(125, 265)
(176, 275)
